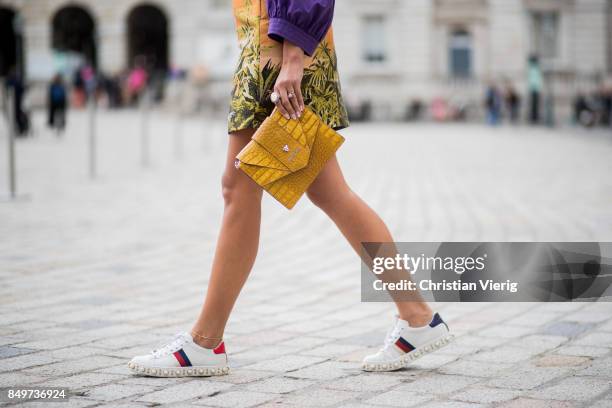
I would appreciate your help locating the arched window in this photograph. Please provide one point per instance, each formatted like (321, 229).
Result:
(148, 37)
(460, 54)
(74, 30)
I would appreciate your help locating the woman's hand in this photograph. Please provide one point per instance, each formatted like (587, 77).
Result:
(288, 84)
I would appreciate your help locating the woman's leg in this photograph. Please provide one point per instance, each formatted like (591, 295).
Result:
(236, 246)
(359, 223)
(51, 115)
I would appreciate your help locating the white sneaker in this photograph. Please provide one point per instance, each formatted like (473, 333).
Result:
(405, 344)
(182, 358)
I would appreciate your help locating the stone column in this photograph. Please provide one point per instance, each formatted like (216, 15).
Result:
(112, 52)
(589, 37)
(37, 41)
(508, 41)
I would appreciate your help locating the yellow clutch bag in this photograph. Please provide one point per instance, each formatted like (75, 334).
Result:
(285, 155)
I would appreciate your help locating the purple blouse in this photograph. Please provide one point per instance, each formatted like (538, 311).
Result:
(302, 22)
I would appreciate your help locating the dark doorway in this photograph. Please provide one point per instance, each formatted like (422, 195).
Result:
(10, 43)
(148, 38)
(74, 30)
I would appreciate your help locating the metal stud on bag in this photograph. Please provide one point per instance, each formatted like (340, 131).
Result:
(285, 148)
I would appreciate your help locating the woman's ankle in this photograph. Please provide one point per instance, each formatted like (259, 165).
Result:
(416, 316)
(418, 320)
(208, 341)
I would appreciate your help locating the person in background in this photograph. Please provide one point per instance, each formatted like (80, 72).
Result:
(534, 84)
(90, 82)
(584, 113)
(605, 100)
(136, 82)
(439, 109)
(493, 105)
(20, 117)
(415, 110)
(513, 103)
(113, 90)
(57, 104)
(78, 90)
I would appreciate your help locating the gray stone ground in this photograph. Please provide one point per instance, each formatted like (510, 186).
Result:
(94, 272)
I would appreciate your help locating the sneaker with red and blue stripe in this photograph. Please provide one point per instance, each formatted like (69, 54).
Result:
(405, 344)
(182, 358)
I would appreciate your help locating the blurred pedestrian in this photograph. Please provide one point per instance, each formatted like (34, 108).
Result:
(415, 110)
(493, 105)
(534, 83)
(57, 104)
(439, 109)
(15, 83)
(136, 82)
(78, 89)
(584, 112)
(90, 80)
(513, 103)
(112, 87)
(605, 101)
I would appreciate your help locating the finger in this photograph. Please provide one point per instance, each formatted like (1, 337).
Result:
(295, 105)
(299, 98)
(287, 104)
(282, 110)
(280, 106)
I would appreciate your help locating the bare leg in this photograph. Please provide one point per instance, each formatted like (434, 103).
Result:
(358, 223)
(236, 246)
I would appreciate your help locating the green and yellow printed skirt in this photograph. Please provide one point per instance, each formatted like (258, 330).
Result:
(259, 65)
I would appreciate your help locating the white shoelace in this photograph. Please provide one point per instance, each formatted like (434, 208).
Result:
(392, 334)
(176, 344)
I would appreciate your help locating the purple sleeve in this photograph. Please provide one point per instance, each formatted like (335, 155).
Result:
(302, 22)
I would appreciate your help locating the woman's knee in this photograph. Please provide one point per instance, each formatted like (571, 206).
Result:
(327, 199)
(237, 188)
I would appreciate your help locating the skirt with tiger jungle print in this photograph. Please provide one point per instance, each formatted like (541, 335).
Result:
(259, 65)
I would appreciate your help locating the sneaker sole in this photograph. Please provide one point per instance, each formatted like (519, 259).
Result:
(179, 371)
(408, 358)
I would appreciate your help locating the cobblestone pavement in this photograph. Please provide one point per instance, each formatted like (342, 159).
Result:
(94, 272)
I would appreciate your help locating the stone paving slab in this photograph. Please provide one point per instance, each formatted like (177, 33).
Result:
(95, 271)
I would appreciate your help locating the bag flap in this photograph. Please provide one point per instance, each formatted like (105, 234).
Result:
(255, 154)
(282, 140)
(258, 163)
(279, 147)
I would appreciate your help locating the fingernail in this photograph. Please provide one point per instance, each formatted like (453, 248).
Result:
(293, 117)
(287, 117)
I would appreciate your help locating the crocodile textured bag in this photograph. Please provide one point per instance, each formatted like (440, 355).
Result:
(285, 155)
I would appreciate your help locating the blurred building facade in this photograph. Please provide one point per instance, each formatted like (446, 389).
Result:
(391, 52)
(394, 51)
